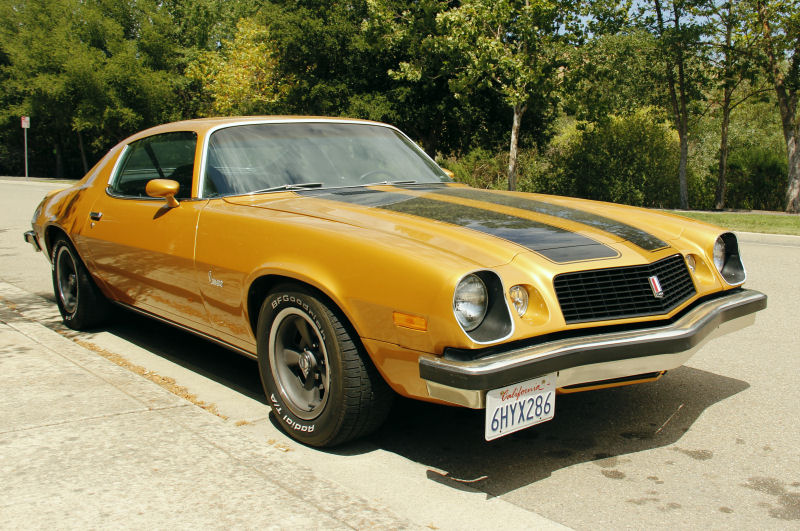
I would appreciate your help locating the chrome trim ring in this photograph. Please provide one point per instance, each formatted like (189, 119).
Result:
(67, 280)
(299, 364)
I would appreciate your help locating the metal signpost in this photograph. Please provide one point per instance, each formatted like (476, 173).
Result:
(26, 124)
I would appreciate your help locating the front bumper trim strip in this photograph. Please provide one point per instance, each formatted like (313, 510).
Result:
(506, 368)
(31, 238)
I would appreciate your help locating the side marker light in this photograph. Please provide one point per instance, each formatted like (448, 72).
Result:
(414, 322)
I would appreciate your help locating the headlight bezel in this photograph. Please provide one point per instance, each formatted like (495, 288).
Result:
(496, 324)
(727, 260)
(719, 254)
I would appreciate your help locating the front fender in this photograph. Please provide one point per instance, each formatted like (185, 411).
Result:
(366, 274)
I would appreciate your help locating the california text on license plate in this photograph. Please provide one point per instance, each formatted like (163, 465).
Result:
(520, 405)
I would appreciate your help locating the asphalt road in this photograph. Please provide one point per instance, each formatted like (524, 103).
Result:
(713, 444)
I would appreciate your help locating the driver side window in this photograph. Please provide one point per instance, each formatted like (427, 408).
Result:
(164, 156)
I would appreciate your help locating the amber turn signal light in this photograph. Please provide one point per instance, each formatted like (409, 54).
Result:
(414, 322)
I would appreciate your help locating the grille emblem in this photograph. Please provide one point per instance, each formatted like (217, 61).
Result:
(655, 285)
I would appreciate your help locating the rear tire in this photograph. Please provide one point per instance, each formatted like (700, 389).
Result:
(80, 301)
(320, 382)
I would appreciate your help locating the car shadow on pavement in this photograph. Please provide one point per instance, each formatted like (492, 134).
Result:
(191, 352)
(595, 426)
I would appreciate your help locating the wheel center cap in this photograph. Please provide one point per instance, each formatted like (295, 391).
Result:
(307, 363)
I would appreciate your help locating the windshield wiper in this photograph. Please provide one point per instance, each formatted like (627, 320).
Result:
(294, 186)
(391, 182)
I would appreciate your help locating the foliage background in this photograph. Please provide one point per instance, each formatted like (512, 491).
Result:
(597, 121)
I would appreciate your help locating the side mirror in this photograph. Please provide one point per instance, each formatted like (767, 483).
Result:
(449, 173)
(165, 188)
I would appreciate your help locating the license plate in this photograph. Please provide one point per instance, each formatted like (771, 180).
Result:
(519, 406)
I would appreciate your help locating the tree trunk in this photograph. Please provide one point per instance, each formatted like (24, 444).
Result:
(793, 188)
(519, 110)
(787, 104)
(683, 129)
(83, 153)
(684, 188)
(59, 161)
(722, 176)
(679, 108)
(727, 95)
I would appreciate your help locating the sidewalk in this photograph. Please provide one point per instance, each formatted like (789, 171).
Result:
(86, 443)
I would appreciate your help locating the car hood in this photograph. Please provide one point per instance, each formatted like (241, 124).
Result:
(486, 227)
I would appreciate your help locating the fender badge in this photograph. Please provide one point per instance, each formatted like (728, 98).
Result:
(213, 281)
(655, 285)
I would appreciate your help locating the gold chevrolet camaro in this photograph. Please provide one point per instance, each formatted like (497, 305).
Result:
(342, 258)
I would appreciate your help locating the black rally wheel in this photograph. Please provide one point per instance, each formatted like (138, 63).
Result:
(80, 301)
(321, 385)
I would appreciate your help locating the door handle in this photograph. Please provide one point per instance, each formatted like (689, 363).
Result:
(95, 216)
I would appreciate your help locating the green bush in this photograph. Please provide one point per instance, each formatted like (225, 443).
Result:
(480, 168)
(631, 159)
(483, 169)
(634, 160)
(756, 153)
(756, 179)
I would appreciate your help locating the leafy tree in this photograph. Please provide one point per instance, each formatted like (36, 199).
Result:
(779, 24)
(733, 46)
(613, 74)
(509, 46)
(205, 24)
(322, 46)
(613, 69)
(679, 28)
(242, 77)
(36, 40)
(422, 103)
(91, 72)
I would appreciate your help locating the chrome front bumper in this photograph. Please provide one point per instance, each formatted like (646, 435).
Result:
(31, 238)
(592, 358)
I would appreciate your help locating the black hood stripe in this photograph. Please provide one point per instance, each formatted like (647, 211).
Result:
(554, 243)
(634, 235)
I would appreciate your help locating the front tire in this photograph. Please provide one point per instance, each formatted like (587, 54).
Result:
(320, 383)
(80, 301)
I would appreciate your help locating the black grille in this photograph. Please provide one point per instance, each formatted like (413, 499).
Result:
(623, 292)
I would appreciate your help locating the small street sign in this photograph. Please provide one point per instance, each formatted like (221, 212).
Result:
(26, 124)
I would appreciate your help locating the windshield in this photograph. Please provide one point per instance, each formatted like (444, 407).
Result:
(244, 159)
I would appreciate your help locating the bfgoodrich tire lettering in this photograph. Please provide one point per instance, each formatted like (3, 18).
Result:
(80, 301)
(320, 383)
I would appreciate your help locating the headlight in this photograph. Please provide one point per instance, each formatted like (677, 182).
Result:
(470, 301)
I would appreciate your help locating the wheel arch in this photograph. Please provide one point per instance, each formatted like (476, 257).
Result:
(364, 394)
(51, 234)
(261, 286)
